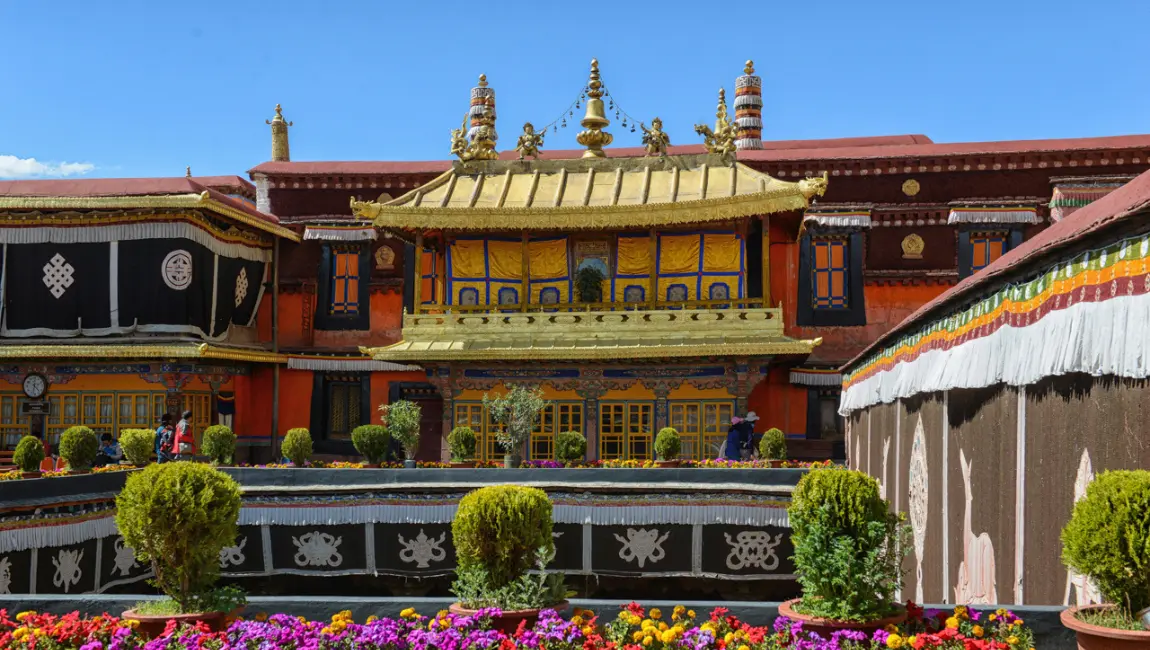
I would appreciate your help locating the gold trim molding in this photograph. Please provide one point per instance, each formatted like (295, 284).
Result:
(128, 351)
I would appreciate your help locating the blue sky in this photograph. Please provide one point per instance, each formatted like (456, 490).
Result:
(145, 88)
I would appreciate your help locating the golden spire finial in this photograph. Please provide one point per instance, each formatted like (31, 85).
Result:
(721, 140)
(594, 137)
(280, 150)
(188, 171)
(482, 81)
(749, 68)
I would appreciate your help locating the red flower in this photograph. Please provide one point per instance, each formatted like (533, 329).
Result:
(520, 629)
(718, 613)
(636, 609)
(506, 644)
(913, 610)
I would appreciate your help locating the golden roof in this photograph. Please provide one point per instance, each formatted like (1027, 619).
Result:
(137, 351)
(592, 336)
(590, 193)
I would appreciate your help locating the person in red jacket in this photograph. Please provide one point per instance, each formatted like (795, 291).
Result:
(184, 444)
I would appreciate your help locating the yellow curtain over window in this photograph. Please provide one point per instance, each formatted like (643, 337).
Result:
(633, 256)
(722, 253)
(467, 259)
(679, 253)
(505, 259)
(547, 259)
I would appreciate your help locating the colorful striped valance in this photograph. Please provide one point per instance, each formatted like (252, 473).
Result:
(982, 214)
(339, 233)
(1067, 198)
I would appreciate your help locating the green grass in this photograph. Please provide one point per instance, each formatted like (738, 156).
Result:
(1113, 618)
(161, 607)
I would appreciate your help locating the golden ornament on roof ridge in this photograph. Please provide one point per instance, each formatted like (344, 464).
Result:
(720, 140)
(595, 119)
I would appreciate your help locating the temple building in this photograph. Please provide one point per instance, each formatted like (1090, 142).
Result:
(665, 285)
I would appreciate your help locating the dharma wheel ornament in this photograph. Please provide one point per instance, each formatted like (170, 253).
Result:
(593, 136)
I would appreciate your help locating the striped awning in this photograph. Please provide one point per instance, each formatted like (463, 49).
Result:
(983, 214)
(1068, 197)
(813, 377)
(351, 364)
(839, 219)
(339, 233)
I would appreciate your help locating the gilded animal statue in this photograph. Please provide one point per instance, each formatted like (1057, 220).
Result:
(529, 143)
(814, 186)
(459, 140)
(654, 139)
(721, 139)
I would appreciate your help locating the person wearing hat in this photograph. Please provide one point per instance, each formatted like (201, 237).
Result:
(731, 448)
(747, 435)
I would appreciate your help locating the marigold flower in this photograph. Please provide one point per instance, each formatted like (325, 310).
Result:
(23, 615)
(894, 641)
(408, 613)
(637, 636)
(744, 647)
(668, 636)
(647, 641)
(1017, 622)
(690, 613)
(373, 618)
(655, 613)
(912, 640)
(1012, 640)
(952, 623)
(634, 620)
(993, 617)
(977, 631)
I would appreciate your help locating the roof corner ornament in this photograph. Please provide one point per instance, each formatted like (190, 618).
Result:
(721, 140)
(482, 145)
(530, 142)
(280, 150)
(655, 141)
(594, 137)
(813, 186)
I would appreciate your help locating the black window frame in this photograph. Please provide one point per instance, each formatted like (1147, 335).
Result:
(854, 314)
(966, 249)
(361, 319)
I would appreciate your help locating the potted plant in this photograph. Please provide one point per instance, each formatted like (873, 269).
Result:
(28, 456)
(500, 533)
(402, 420)
(177, 517)
(848, 556)
(773, 447)
(79, 446)
(518, 412)
(138, 445)
(667, 447)
(461, 441)
(371, 441)
(570, 447)
(1107, 540)
(219, 444)
(297, 446)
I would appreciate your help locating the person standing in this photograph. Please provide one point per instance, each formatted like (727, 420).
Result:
(731, 449)
(185, 446)
(164, 435)
(747, 435)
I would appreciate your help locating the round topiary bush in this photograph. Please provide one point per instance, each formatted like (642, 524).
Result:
(78, 446)
(501, 529)
(773, 446)
(138, 445)
(371, 441)
(461, 441)
(848, 546)
(219, 444)
(570, 447)
(668, 444)
(1108, 537)
(29, 453)
(178, 516)
(296, 446)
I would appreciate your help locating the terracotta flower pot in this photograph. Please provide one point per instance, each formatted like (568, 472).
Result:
(509, 621)
(372, 465)
(1096, 637)
(153, 626)
(462, 464)
(667, 463)
(776, 463)
(825, 627)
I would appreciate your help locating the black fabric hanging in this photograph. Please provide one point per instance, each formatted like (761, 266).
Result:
(237, 287)
(166, 282)
(58, 286)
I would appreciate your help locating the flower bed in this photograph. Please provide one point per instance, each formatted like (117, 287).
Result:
(632, 629)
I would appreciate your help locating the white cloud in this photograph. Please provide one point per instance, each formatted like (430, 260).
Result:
(13, 167)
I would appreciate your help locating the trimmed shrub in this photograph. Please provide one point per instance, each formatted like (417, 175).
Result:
(518, 411)
(570, 447)
(501, 529)
(219, 444)
(461, 441)
(668, 444)
(773, 446)
(138, 445)
(178, 516)
(1108, 537)
(402, 420)
(29, 453)
(371, 441)
(79, 446)
(848, 546)
(296, 446)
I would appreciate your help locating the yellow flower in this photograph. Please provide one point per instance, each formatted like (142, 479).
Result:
(977, 631)
(993, 617)
(1017, 622)
(373, 618)
(894, 641)
(647, 641)
(23, 615)
(623, 615)
(891, 628)
(952, 623)
(708, 626)
(655, 613)
(1012, 640)
(577, 620)
(679, 611)
(743, 647)
(19, 633)
(690, 613)
(326, 630)
(637, 636)
(407, 613)
(648, 623)
(910, 640)
(668, 636)
(960, 611)
(662, 626)
(262, 616)
(634, 620)
(132, 623)
(728, 638)
(302, 619)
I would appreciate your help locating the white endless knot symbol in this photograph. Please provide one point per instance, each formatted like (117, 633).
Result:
(241, 286)
(233, 555)
(422, 549)
(177, 270)
(753, 548)
(68, 570)
(643, 546)
(317, 549)
(58, 275)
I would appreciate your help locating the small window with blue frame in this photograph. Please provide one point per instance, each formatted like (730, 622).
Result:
(344, 281)
(986, 247)
(829, 281)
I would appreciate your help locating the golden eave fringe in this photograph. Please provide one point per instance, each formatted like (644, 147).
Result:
(166, 201)
(606, 353)
(120, 351)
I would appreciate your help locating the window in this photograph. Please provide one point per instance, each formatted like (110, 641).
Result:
(344, 281)
(549, 296)
(634, 293)
(719, 291)
(508, 296)
(97, 413)
(557, 417)
(344, 403)
(702, 426)
(986, 247)
(829, 281)
(13, 426)
(200, 404)
(677, 292)
(469, 296)
(472, 414)
(625, 430)
(102, 412)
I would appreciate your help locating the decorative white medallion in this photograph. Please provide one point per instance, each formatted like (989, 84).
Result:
(975, 583)
(753, 548)
(68, 570)
(1085, 593)
(177, 270)
(5, 576)
(233, 555)
(58, 275)
(422, 550)
(241, 286)
(317, 549)
(125, 559)
(919, 498)
(642, 546)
